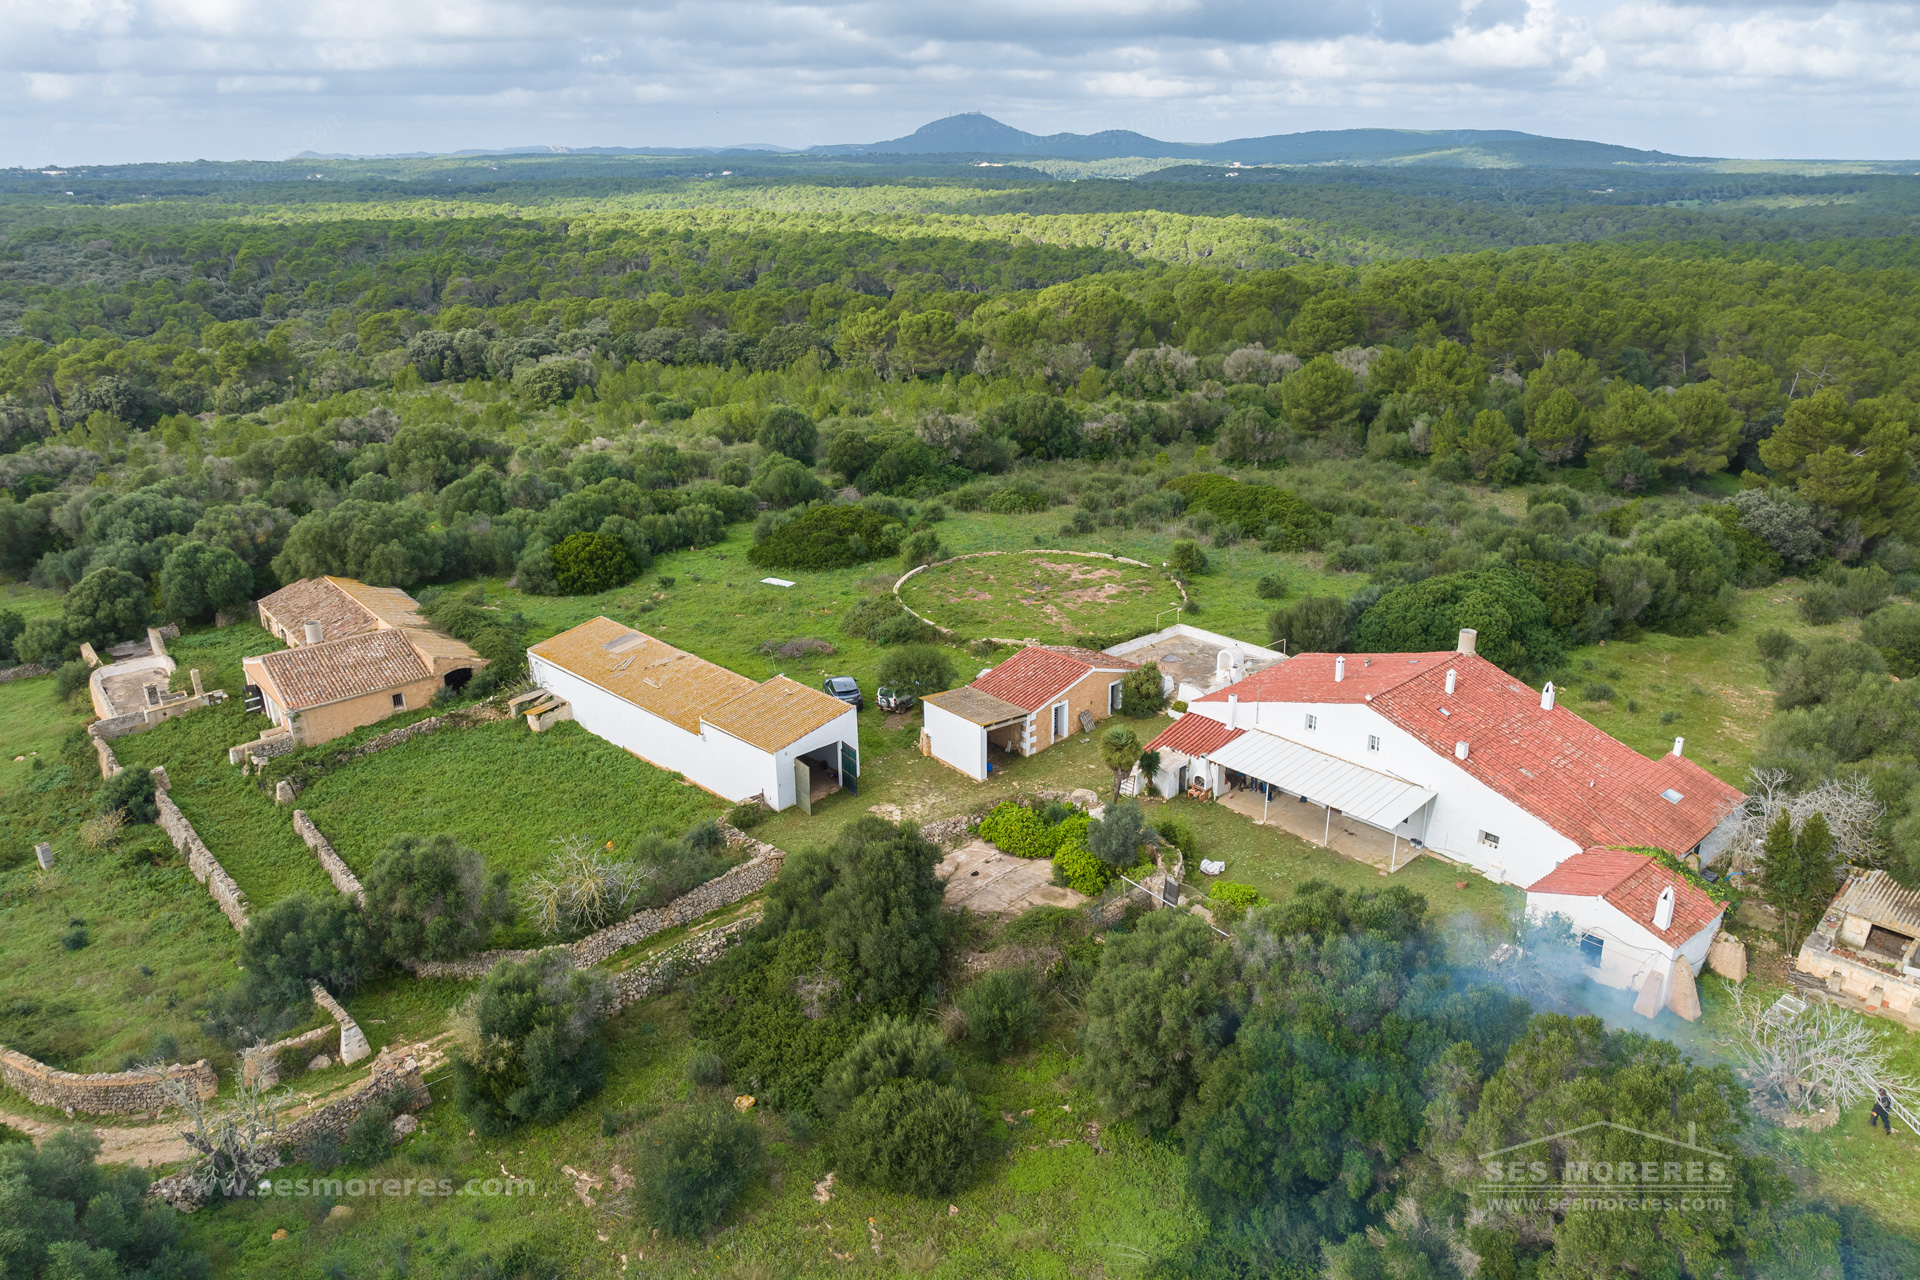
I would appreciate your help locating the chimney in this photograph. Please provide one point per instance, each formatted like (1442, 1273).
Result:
(1663, 909)
(1233, 711)
(1452, 678)
(1679, 743)
(1339, 670)
(1546, 697)
(313, 633)
(1468, 639)
(1459, 751)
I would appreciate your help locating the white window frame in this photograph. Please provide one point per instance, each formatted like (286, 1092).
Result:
(1313, 722)
(1593, 950)
(1113, 697)
(1373, 742)
(1059, 723)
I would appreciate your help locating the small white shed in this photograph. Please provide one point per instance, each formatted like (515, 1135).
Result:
(955, 725)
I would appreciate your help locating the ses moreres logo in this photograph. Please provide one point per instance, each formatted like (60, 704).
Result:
(1671, 1174)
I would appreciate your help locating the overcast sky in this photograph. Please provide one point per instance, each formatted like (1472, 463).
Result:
(117, 80)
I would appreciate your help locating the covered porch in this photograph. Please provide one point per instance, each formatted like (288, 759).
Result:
(1360, 813)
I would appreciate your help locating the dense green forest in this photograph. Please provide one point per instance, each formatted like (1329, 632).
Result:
(1562, 408)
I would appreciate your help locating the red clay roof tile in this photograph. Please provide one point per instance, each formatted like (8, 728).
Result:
(1193, 735)
(1038, 674)
(1632, 882)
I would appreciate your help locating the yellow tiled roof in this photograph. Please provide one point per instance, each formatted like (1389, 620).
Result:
(320, 600)
(776, 713)
(390, 605)
(671, 683)
(316, 674)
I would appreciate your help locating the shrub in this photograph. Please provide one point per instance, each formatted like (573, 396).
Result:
(833, 537)
(1186, 559)
(11, 627)
(72, 1217)
(1317, 624)
(883, 620)
(748, 814)
(1864, 590)
(530, 1043)
(1081, 869)
(1116, 838)
(430, 898)
(1819, 604)
(1254, 510)
(785, 429)
(1428, 615)
(1003, 1012)
(1597, 691)
(1233, 894)
(587, 563)
(706, 1068)
(1271, 587)
(45, 641)
(910, 1136)
(75, 937)
(105, 606)
(1015, 829)
(918, 669)
(1776, 644)
(699, 1166)
(368, 1138)
(200, 579)
(901, 1119)
(130, 792)
(70, 679)
(922, 547)
(1143, 691)
(1895, 632)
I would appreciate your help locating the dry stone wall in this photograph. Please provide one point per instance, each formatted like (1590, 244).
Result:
(25, 671)
(117, 1093)
(261, 1064)
(751, 876)
(353, 1041)
(337, 871)
(109, 763)
(200, 860)
(659, 973)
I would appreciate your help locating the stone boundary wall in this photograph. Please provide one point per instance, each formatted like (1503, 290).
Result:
(1030, 551)
(261, 1064)
(25, 671)
(337, 871)
(116, 1093)
(353, 1041)
(109, 763)
(723, 890)
(200, 860)
(660, 972)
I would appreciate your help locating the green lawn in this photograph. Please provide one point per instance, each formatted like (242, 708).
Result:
(1039, 596)
(502, 790)
(31, 602)
(33, 721)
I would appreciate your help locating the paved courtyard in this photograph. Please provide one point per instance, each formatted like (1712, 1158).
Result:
(981, 878)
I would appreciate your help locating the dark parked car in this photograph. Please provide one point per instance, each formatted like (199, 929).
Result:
(847, 689)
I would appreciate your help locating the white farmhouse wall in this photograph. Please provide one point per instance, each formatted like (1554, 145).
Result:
(714, 759)
(1463, 807)
(960, 743)
(1631, 948)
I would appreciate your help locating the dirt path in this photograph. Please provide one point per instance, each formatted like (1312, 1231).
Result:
(153, 1145)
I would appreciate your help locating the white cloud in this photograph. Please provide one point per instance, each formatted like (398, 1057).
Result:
(1732, 77)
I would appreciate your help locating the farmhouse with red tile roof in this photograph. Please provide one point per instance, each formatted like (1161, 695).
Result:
(1640, 925)
(1025, 705)
(1515, 783)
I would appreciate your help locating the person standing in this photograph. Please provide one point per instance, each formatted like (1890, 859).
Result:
(1882, 1114)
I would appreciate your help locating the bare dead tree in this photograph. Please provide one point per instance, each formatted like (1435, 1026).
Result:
(582, 889)
(1802, 1056)
(239, 1141)
(1852, 814)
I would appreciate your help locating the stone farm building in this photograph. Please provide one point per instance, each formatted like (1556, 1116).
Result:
(1445, 752)
(1867, 944)
(1638, 923)
(356, 655)
(1026, 704)
(734, 736)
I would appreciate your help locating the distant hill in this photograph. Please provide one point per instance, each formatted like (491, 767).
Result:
(977, 134)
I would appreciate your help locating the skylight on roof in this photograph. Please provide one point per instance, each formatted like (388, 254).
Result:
(1671, 796)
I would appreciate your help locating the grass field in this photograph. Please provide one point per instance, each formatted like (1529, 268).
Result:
(1043, 596)
(501, 790)
(33, 724)
(1711, 690)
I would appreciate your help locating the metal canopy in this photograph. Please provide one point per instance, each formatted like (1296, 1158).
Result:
(1376, 798)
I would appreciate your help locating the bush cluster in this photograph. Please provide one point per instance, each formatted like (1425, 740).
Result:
(1276, 516)
(829, 537)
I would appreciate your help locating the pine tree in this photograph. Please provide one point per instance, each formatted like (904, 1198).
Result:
(1798, 877)
(1780, 877)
